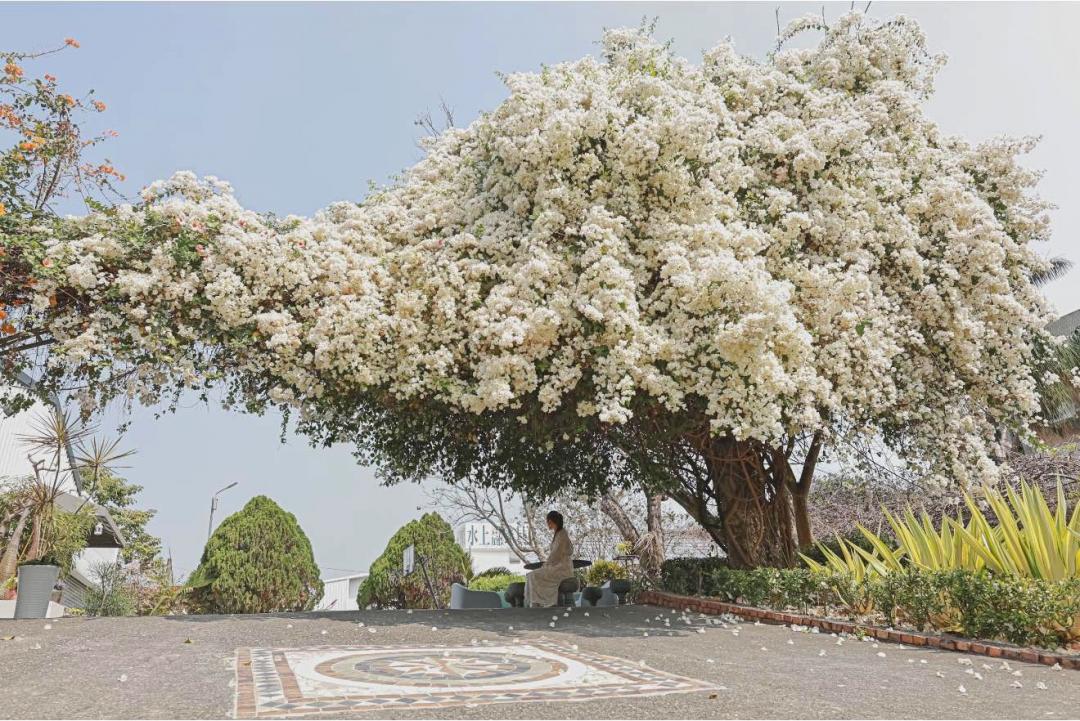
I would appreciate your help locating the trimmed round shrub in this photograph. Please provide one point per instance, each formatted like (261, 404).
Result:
(445, 561)
(257, 561)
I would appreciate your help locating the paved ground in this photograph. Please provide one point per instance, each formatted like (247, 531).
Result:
(184, 666)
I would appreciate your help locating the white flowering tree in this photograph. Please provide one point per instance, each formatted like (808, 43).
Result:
(636, 269)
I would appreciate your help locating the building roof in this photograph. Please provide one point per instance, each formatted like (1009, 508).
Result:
(71, 503)
(1066, 324)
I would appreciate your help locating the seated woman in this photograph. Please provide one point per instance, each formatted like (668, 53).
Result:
(542, 585)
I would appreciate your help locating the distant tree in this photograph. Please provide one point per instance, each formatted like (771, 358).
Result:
(119, 496)
(257, 561)
(444, 561)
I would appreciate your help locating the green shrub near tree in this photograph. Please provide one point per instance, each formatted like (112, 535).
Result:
(445, 561)
(497, 582)
(494, 571)
(689, 576)
(257, 561)
(976, 604)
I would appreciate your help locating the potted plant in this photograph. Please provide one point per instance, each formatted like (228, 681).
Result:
(37, 579)
(38, 539)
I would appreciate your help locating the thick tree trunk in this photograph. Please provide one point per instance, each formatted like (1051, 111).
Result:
(754, 504)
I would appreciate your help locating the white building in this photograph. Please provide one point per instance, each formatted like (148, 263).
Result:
(487, 547)
(339, 594)
(105, 540)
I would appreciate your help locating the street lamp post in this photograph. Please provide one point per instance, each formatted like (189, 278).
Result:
(213, 507)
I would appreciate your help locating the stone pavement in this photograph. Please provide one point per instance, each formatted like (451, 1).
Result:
(632, 662)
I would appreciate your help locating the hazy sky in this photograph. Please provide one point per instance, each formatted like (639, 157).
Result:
(302, 105)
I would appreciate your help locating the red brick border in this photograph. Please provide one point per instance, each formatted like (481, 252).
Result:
(911, 638)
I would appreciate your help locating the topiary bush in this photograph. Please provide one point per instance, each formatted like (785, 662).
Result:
(446, 563)
(257, 561)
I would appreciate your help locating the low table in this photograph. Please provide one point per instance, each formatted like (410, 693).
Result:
(578, 563)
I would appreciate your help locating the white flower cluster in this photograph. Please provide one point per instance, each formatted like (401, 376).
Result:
(783, 246)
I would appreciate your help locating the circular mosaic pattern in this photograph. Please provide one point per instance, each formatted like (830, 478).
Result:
(438, 668)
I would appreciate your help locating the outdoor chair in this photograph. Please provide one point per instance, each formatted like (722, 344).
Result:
(462, 598)
(515, 594)
(591, 595)
(615, 592)
(567, 588)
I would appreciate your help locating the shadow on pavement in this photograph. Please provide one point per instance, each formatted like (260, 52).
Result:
(623, 621)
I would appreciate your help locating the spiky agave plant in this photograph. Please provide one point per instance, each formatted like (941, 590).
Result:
(1027, 539)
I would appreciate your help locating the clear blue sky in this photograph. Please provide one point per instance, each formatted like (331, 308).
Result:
(301, 105)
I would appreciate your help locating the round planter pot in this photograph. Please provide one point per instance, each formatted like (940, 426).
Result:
(35, 589)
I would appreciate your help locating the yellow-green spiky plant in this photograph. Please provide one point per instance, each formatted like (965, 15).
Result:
(1027, 539)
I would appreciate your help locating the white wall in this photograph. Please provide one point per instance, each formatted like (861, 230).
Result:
(339, 594)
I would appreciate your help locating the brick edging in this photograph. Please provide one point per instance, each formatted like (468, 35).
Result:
(911, 638)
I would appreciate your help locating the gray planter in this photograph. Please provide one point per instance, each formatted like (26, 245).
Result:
(35, 590)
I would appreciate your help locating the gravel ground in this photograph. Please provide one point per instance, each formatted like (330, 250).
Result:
(182, 667)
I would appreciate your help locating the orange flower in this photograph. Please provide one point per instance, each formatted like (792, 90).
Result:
(3, 211)
(12, 70)
(50, 78)
(72, 42)
(68, 99)
(99, 106)
(8, 328)
(28, 146)
(3, 314)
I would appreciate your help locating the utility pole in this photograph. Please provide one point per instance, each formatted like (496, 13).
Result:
(213, 507)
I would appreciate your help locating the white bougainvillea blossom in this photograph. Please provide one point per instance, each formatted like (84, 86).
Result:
(790, 244)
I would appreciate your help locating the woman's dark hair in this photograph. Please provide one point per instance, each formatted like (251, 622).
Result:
(556, 518)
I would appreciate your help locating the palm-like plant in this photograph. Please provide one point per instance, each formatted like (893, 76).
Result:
(58, 446)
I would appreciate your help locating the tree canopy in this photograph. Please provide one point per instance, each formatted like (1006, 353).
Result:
(634, 269)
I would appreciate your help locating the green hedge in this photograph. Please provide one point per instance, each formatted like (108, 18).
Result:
(494, 582)
(1018, 610)
(689, 576)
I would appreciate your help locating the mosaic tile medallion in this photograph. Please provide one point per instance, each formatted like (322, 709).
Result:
(286, 682)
